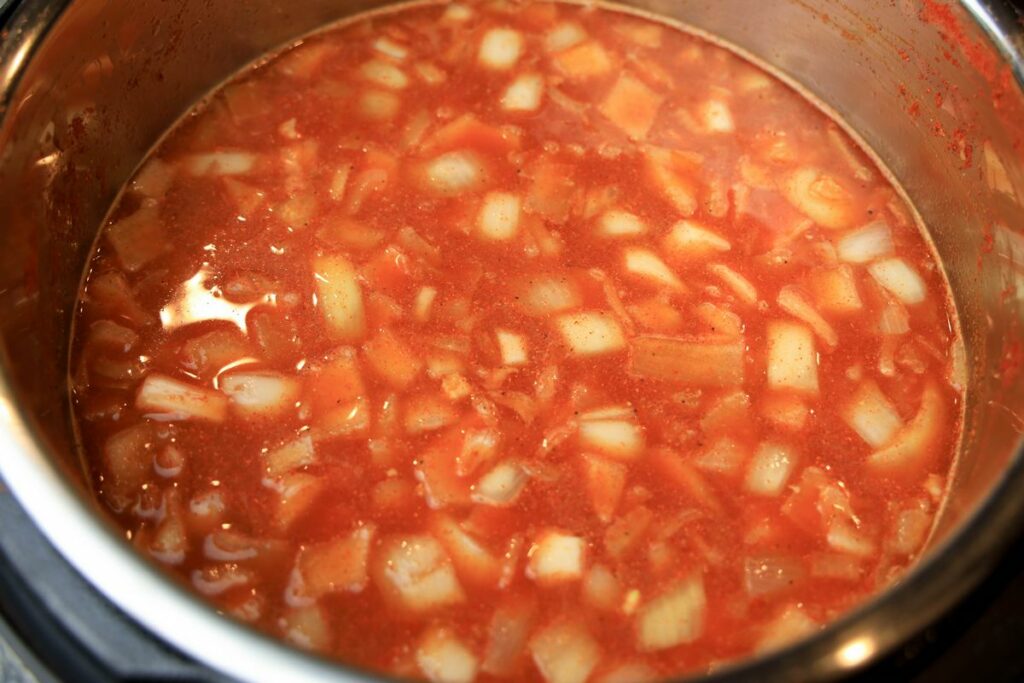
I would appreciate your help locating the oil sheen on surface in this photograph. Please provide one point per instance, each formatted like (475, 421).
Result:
(518, 342)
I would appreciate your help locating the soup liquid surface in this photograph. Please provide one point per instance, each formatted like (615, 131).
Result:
(517, 341)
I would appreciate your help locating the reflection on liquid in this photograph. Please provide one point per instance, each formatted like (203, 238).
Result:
(193, 302)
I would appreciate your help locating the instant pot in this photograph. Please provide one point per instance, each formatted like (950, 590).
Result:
(87, 87)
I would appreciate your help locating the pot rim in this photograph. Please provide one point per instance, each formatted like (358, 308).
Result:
(165, 608)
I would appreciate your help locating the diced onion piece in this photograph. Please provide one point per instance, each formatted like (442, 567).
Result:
(789, 626)
(679, 191)
(893, 320)
(708, 362)
(743, 288)
(219, 579)
(179, 400)
(512, 347)
(524, 93)
(793, 302)
(500, 48)
(619, 223)
(260, 394)
(792, 359)
(631, 106)
(306, 627)
(220, 163)
(717, 117)
(438, 470)
(770, 575)
(138, 239)
(556, 558)
(871, 415)
(688, 241)
(820, 197)
(289, 456)
(844, 537)
(424, 303)
(770, 468)
(474, 564)
(542, 295)
(565, 652)
(479, 446)
(508, 634)
(443, 658)
(916, 441)
(866, 243)
(605, 483)
(646, 265)
(384, 74)
(835, 290)
(337, 397)
(127, 458)
(910, 529)
(296, 493)
(454, 171)
(620, 438)
(673, 618)
(413, 573)
(340, 298)
(386, 46)
(335, 566)
(900, 279)
(499, 216)
(591, 333)
(154, 179)
(722, 456)
(584, 61)
(427, 413)
(721, 321)
(501, 486)
(457, 12)
(390, 357)
(379, 105)
(601, 590)
(563, 36)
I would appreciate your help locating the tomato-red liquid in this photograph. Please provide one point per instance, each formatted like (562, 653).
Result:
(518, 341)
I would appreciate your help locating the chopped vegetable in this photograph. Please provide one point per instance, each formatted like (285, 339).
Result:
(556, 558)
(340, 297)
(792, 359)
(565, 652)
(866, 243)
(590, 333)
(871, 415)
(700, 362)
(673, 618)
(821, 197)
(524, 94)
(500, 48)
(619, 223)
(903, 281)
(414, 574)
(171, 399)
(499, 216)
(646, 266)
(260, 394)
(688, 241)
(631, 106)
(443, 658)
(770, 468)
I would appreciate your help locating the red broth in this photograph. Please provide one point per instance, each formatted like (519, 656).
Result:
(518, 341)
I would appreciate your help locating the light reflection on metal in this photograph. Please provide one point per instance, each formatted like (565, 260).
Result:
(856, 652)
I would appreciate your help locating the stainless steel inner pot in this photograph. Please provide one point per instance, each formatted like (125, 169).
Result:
(933, 88)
